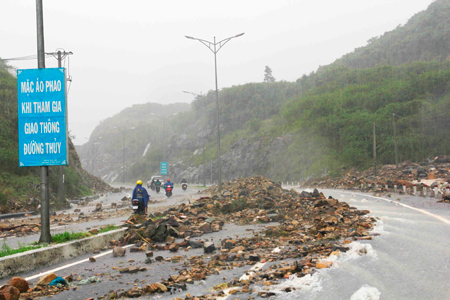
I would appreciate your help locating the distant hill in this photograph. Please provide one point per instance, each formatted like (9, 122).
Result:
(425, 37)
(320, 124)
(138, 130)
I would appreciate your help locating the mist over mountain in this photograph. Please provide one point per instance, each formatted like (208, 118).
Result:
(320, 124)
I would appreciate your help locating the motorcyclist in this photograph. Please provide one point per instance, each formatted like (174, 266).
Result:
(157, 183)
(141, 194)
(168, 183)
(184, 181)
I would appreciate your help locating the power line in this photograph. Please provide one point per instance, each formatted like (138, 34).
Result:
(28, 57)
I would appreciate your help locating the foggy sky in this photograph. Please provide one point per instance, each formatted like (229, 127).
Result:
(135, 52)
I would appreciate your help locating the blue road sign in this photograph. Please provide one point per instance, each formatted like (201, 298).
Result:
(42, 115)
(164, 168)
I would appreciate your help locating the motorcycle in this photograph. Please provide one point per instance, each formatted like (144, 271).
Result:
(158, 189)
(137, 206)
(169, 191)
(184, 186)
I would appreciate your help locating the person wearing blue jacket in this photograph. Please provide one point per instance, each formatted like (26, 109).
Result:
(141, 194)
(168, 183)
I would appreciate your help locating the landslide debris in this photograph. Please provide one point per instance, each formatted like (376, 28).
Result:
(424, 176)
(304, 228)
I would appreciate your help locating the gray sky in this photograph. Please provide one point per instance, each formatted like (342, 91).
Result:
(135, 52)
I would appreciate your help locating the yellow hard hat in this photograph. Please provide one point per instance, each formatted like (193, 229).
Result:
(139, 182)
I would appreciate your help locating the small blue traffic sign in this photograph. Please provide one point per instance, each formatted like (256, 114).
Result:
(164, 168)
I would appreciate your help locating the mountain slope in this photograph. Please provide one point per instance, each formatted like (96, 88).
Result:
(322, 123)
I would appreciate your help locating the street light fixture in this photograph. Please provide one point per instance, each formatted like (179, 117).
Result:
(204, 167)
(123, 150)
(215, 47)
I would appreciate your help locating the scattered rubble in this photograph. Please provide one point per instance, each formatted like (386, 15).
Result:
(430, 178)
(303, 227)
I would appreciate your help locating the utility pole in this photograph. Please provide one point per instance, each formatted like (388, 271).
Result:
(45, 203)
(395, 141)
(60, 56)
(374, 151)
(213, 47)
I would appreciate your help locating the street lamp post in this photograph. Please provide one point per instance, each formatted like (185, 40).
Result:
(123, 150)
(204, 139)
(215, 47)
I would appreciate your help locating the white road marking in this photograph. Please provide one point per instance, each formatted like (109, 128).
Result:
(442, 219)
(71, 265)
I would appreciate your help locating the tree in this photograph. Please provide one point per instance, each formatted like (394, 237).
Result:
(268, 75)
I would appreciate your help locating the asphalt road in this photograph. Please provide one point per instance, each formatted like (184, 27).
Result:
(103, 218)
(407, 259)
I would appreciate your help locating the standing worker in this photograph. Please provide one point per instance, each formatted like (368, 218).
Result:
(141, 194)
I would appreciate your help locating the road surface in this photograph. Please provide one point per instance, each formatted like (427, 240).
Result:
(409, 258)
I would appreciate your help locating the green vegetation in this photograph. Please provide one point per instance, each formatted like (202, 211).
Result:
(6, 250)
(69, 236)
(108, 228)
(340, 113)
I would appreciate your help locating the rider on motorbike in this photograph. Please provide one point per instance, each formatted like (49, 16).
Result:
(168, 183)
(157, 184)
(141, 194)
(183, 181)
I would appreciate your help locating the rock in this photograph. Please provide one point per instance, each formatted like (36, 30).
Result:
(133, 269)
(316, 193)
(123, 270)
(119, 251)
(98, 207)
(9, 292)
(92, 259)
(174, 247)
(209, 247)
(46, 279)
(162, 287)
(170, 240)
(149, 253)
(93, 231)
(19, 283)
(324, 264)
(205, 227)
(195, 244)
(137, 249)
(237, 249)
(254, 257)
(431, 176)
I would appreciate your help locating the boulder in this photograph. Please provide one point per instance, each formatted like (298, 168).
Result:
(19, 283)
(98, 207)
(209, 247)
(9, 292)
(174, 247)
(46, 279)
(119, 251)
(205, 227)
(195, 244)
